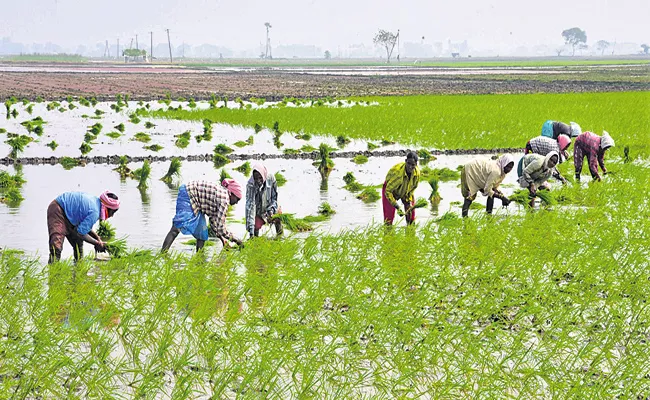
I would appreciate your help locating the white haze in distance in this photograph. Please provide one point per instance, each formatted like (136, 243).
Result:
(328, 24)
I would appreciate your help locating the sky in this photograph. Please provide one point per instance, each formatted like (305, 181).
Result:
(328, 24)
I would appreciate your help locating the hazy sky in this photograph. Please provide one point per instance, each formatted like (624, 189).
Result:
(240, 24)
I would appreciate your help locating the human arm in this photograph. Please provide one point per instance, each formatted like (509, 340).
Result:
(272, 207)
(593, 165)
(414, 181)
(601, 161)
(218, 217)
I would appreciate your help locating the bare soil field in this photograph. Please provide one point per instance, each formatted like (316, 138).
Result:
(274, 85)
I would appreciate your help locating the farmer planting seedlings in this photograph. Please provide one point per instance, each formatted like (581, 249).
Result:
(593, 147)
(401, 182)
(485, 175)
(261, 201)
(543, 145)
(197, 199)
(534, 170)
(72, 216)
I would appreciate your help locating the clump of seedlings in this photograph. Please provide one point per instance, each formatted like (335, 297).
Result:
(120, 128)
(207, 132)
(116, 248)
(149, 125)
(326, 209)
(360, 159)
(372, 146)
(154, 147)
(425, 156)
(183, 139)
(106, 231)
(134, 119)
(173, 171)
(142, 175)
(325, 165)
(434, 197)
(280, 179)
(257, 128)
(291, 222)
(122, 168)
(308, 149)
(68, 162)
(142, 137)
(17, 143)
(95, 129)
(368, 195)
(223, 174)
(222, 149)
(290, 151)
(342, 141)
(52, 145)
(351, 183)
(443, 174)
(34, 125)
(113, 135)
(245, 168)
(85, 148)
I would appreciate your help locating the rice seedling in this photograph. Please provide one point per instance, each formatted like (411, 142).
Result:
(326, 209)
(351, 183)
(173, 171)
(276, 140)
(17, 143)
(95, 129)
(222, 149)
(30, 109)
(52, 145)
(241, 143)
(325, 165)
(11, 196)
(434, 197)
(69, 99)
(207, 132)
(117, 248)
(425, 156)
(71, 106)
(289, 151)
(142, 137)
(134, 119)
(293, 223)
(85, 148)
(280, 179)
(106, 231)
(154, 147)
(547, 197)
(142, 175)
(276, 127)
(245, 168)
(39, 99)
(122, 168)
(303, 136)
(119, 127)
(14, 113)
(368, 195)
(191, 103)
(52, 106)
(360, 159)
(3, 130)
(257, 128)
(149, 125)
(183, 139)
(250, 140)
(342, 141)
(521, 197)
(219, 160)
(308, 149)
(93, 101)
(68, 162)
(89, 137)
(442, 174)
(421, 202)
(626, 154)
(372, 146)
(113, 135)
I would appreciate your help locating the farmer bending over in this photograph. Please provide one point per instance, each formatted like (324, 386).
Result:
(72, 216)
(543, 145)
(553, 129)
(198, 199)
(400, 184)
(534, 170)
(593, 147)
(261, 201)
(485, 175)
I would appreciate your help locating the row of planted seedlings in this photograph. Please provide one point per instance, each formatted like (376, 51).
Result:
(465, 308)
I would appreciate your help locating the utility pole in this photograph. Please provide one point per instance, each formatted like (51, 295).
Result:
(151, 52)
(171, 60)
(183, 50)
(136, 42)
(267, 52)
(107, 51)
(398, 45)
(118, 49)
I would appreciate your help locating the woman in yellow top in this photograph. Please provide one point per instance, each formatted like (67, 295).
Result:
(400, 184)
(484, 175)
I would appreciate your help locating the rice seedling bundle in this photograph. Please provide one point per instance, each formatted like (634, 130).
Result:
(183, 139)
(280, 179)
(245, 168)
(293, 223)
(360, 159)
(173, 171)
(106, 231)
(369, 195)
(142, 137)
(85, 148)
(142, 175)
(154, 147)
(116, 248)
(222, 149)
(68, 162)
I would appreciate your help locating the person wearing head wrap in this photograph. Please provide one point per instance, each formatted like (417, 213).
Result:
(400, 184)
(261, 201)
(72, 216)
(195, 201)
(553, 129)
(543, 145)
(484, 175)
(534, 170)
(593, 147)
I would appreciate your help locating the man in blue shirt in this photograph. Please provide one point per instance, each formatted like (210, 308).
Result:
(72, 216)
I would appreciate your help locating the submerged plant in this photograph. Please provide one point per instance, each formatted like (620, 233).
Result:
(95, 129)
(122, 168)
(219, 160)
(173, 171)
(183, 139)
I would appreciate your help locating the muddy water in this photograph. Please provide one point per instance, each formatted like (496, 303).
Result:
(146, 216)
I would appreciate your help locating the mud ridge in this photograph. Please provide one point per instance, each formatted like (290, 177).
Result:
(115, 159)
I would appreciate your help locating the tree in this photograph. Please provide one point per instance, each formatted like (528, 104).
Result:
(387, 40)
(602, 45)
(328, 55)
(645, 48)
(573, 37)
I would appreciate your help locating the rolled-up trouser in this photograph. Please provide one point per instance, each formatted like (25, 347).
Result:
(60, 228)
(389, 209)
(464, 187)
